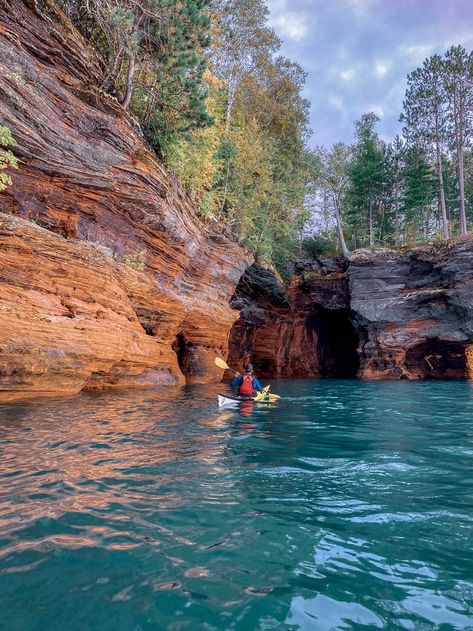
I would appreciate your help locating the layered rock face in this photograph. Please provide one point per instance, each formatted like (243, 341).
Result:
(414, 312)
(384, 315)
(303, 331)
(86, 175)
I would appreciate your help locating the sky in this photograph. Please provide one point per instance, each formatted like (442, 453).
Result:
(357, 54)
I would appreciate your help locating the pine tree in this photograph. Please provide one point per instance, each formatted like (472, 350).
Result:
(367, 175)
(393, 185)
(418, 194)
(154, 61)
(458, 81)
(424, 117)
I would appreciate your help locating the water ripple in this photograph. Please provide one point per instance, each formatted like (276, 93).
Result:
(347, 506)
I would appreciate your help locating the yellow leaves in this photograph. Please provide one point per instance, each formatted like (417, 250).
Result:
(212, 81)
(195, 159)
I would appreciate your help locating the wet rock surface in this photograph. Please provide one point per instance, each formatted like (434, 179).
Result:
(299, 331)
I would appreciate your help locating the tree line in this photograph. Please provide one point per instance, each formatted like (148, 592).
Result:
(215, 99)
(416, 188)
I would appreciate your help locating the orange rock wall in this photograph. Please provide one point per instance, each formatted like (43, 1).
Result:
(86, 174)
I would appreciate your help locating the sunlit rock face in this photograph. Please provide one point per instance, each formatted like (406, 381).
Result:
(385, 315)
(86, 174)
(414, 311)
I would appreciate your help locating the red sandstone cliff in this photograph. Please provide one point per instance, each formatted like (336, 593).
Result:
(72, 316)
(299, 331)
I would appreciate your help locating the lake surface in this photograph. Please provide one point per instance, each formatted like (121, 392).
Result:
(347, 506)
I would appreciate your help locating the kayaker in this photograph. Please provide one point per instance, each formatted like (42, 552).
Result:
(246, 384)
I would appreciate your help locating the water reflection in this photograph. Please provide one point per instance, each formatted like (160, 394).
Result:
(347, 505)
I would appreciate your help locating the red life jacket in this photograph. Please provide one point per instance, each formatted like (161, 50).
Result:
(246, 388)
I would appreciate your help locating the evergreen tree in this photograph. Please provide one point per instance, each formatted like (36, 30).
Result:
(424, 118)
(458, 81)
(153, 53)
(418, 194)
(393, 166)
(367, 175)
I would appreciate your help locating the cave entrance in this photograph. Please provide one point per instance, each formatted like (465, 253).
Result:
(184, 351)
(337, 343)
(439, 359)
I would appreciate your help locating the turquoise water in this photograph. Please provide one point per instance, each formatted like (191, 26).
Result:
(347, 506)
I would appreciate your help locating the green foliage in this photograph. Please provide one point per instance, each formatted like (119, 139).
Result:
(418, 195)
(228, 118)
(367, 182)
(7, 159)
(135, 260)
(250, 170)
(154, 57)
(320, 244)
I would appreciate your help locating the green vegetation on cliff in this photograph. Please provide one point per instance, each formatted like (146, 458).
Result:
(7, 159)
(217, 102)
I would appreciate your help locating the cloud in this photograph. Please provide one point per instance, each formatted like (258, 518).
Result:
(378, 109)
(289, 25)
(415, 54)
(381, 68)
(336, 101)
(361, 7)
(360, 53)
(347, 75)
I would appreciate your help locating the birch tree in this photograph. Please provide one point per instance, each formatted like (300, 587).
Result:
(333, 184)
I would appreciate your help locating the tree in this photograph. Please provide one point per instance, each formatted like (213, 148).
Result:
(154, 61)
(7, 159)
(367, 173)
(418, 193)
(424, 117)
(458, 82)
(242, 39)
(333, 185)
(393, 166)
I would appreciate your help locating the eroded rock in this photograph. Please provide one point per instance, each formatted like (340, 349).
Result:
(86, 174)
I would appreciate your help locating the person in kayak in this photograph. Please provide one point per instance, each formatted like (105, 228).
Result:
(247, 384)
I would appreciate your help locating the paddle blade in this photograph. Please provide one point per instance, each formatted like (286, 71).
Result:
(221, 364)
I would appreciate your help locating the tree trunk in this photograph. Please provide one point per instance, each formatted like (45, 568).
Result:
(461, 186)
(443, 207)
(341, 238)
(129, 82)
(370, 215)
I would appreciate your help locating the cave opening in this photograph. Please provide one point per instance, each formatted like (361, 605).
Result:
(183, 350)
(438, 359)
(337, 347)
